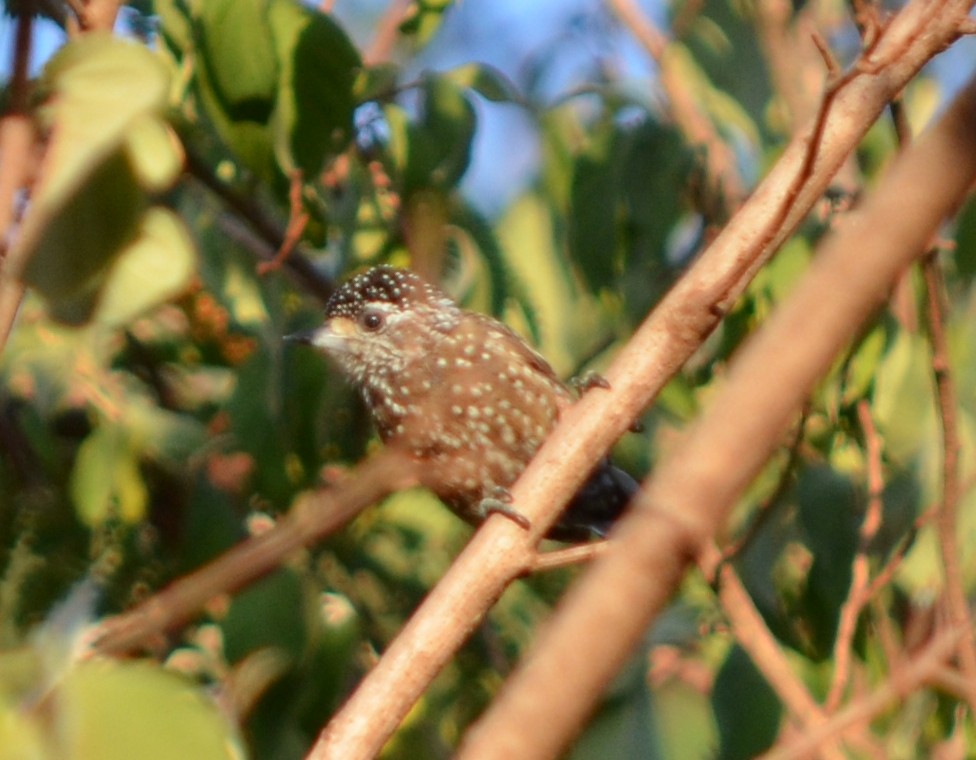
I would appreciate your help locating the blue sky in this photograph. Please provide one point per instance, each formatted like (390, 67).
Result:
(562, 42)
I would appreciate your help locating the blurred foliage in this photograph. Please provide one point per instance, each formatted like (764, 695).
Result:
(150, 416)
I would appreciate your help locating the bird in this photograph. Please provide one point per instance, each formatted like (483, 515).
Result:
(462, 393)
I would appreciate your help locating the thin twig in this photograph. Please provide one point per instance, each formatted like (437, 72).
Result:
(753, 635)
(261, 222)
(857, 595)
(905, 679)
(956, 602)
(297, 221)
(573, 555)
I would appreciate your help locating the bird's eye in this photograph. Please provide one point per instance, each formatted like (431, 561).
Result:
(371, 321)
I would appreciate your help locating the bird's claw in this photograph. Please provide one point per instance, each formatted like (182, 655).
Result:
(497, 502)
(588, 381)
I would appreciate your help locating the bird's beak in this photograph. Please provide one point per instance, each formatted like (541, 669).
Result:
(305, 337)
(333, 335)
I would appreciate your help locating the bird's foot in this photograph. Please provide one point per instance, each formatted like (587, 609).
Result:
(588, 381)
(498, 501)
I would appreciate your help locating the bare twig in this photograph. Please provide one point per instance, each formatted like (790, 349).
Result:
(261, 222)
(574, 555)
(955, 592)
(753, 635)
(381, 48)
(694, 488)
(905, 679)
(297, 221)
(16, 154)
(857, 596)
(310, 519)
(687, 111)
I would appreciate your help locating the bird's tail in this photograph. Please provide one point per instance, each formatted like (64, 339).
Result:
(597, 505)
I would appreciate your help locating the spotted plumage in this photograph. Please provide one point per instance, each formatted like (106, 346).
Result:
(458, 390)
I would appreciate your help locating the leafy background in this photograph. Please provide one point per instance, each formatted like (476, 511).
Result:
(151, 416)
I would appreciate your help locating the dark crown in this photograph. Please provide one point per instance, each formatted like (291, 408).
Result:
(383, 284)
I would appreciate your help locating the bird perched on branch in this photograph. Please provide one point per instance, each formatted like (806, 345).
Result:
(461, 392)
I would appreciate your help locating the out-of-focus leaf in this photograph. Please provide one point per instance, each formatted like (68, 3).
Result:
(625, 204)
(239, 55)
(105, 480)
(318, 68)
(121, 710)
(830, 513)
(903, 402)
(439, 146)
(623, 726)
(374, 82)
(424, 18)
(724, 45)
(965, 252)
(157, 265)
(267, 614)
(487, 81)
(747, 710)
(105, 97)
(863, 366)
(82, 237)
(154, 152)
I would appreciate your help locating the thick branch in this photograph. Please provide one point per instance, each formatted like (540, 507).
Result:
(671, 334)
(693, 491)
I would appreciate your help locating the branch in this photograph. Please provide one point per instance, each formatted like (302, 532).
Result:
(16, 152)
(262, 223)
(921, 669)
(313, 517)
(948, 516)
(694, 489)
(754, 636)
(858, 594)
(500, 550)
(686, 109)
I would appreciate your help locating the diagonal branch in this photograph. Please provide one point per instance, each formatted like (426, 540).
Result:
(500, 550)
(693, 491)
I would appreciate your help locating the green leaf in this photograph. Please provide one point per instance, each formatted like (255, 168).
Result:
(747, 710)
(438, 147)
(239, 56)
(104, 100)
(156, 266)
(121, 710)
(830, 513)
(318, 69)
(487, 81)
(82, 236)
(424, 18)
(375, 82)
(270, 613)
(105, 480)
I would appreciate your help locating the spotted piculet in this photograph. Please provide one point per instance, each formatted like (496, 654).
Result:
(461, 392)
